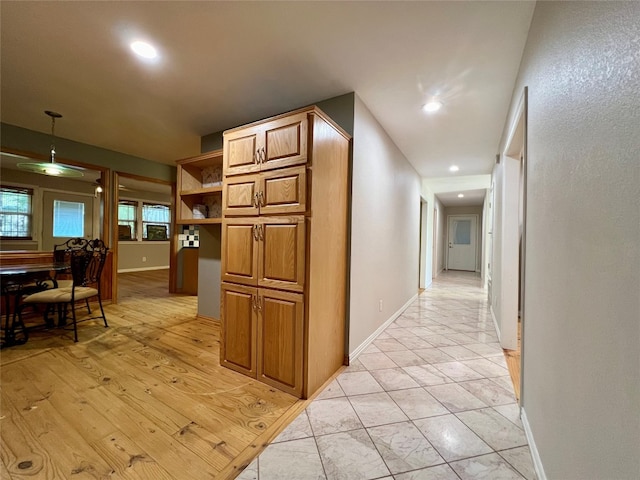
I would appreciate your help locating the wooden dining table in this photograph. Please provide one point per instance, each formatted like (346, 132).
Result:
(17, 281)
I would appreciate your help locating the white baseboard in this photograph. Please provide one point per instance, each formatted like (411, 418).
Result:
(495, 323)
(537, 462)
(353, 355)
(127, 270)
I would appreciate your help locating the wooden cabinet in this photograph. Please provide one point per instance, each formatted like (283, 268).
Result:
(268, 193)
(280, 339)
(265, 340)
(284, 247)
(239, 347)
(195, 194)
(264, 251)
(277, 143)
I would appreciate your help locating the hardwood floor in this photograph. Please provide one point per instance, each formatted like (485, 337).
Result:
(513, 363)
(145, 398)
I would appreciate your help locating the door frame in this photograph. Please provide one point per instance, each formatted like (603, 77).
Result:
(423, 247)
(475, 256)
(173, 252)
(514, 256)
(434, 248)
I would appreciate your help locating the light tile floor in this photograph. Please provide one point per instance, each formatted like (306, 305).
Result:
(430, 398)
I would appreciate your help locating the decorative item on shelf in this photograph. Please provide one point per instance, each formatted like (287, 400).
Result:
(199, 211)
(214, 206)
(190, 237)
(212, 176)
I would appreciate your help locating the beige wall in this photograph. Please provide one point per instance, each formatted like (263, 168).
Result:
(135, 256)
(385, 228)
(581, 357)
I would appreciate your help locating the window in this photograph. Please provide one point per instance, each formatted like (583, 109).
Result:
(152, 219)
(15, 213)
(127, 219)
(155, 216)
(68, 219)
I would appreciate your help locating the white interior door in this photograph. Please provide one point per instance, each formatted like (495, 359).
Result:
(462, 242)
(65, 216)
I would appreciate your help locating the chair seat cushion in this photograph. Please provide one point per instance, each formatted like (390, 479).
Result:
(60, 295)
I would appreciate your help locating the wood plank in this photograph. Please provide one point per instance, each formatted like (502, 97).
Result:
(144, 398)
(129, 459)
(65, 448)
(22, 453)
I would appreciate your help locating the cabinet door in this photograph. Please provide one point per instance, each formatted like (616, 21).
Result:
(240, 195)
(281, 253)
(239, 328)
(284, 142)
(241, 149)
(283, 191)
(281, 340)
(240, 251)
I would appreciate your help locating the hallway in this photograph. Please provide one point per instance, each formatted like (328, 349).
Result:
(431, 398)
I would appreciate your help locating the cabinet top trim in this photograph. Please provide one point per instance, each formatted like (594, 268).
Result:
(208, 158)
(313, 109)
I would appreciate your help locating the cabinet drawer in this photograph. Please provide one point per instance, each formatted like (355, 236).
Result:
(240, 195)
(285, 142)
(241, 149)
(283, 191)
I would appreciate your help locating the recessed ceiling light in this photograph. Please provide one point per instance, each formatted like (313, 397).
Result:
(461, 195)
(432, 106)
(454, 168)
(144, 49)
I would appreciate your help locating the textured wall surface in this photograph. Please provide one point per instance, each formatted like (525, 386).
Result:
(582, 305)
(385, 228)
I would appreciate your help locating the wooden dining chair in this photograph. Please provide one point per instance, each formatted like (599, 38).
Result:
(86, 264)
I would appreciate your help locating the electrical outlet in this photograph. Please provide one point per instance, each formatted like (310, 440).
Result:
(380, 305)
(144, 259)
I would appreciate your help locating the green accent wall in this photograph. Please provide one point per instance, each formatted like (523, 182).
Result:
(340, 109)
(18, 138)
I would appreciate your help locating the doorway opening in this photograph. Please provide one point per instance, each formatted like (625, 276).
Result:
(422, 270)
(143, 235)
(515, 157)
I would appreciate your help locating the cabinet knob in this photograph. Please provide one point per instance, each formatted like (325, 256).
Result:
(256, 235)
(261, 199)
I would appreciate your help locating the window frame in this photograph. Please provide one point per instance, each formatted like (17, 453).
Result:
(140, 223)
(133, 223)
(145, 236)
(30, 215)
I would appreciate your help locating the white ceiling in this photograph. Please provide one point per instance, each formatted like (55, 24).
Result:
(223, 64)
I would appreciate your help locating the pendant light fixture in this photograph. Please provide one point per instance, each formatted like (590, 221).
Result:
(51, 167)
